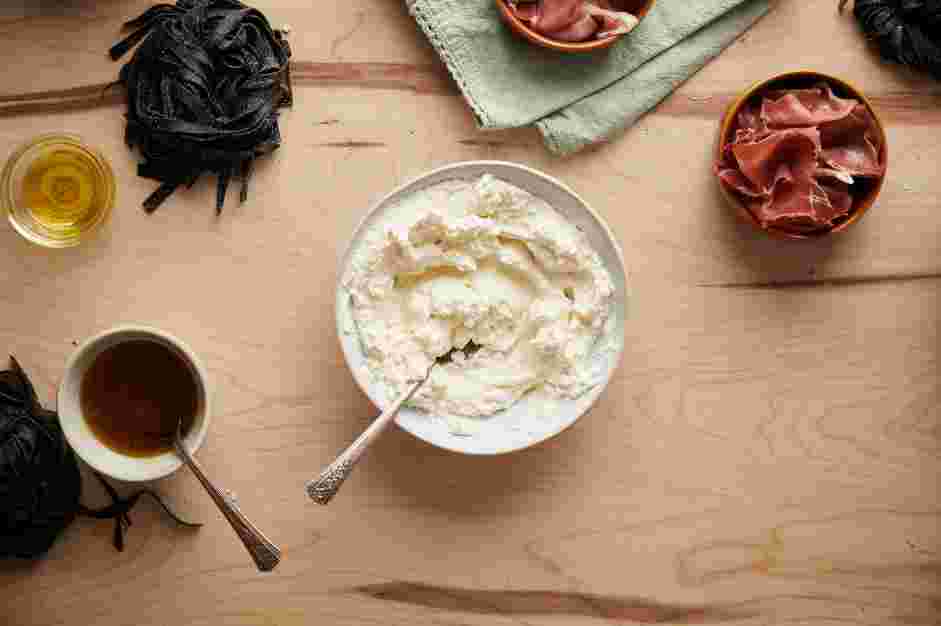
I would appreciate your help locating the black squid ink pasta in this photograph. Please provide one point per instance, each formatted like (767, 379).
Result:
(203, 92)
(904, 31)
(40, 482)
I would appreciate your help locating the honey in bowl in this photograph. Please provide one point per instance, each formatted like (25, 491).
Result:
(133, 395)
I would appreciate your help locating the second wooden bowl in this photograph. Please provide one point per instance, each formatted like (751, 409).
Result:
(801, 79)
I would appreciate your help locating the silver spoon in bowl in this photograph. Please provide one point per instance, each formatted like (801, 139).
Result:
(322, 489)
(265, 553)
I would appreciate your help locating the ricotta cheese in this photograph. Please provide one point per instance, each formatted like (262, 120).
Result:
(485, 262)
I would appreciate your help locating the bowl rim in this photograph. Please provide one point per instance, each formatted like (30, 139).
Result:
(73, 421)
(521, 28)
(728, 120)
(361, 378)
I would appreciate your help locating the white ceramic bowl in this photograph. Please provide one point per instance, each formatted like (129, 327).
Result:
(528, 422)
(87, 446)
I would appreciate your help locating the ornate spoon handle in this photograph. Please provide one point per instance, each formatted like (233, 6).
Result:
(322, 489)
(266, 554)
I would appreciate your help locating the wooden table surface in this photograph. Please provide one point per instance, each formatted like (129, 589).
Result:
(768, 452)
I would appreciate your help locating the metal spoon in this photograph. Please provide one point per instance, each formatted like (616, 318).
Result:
(265, 554)
(322, 489)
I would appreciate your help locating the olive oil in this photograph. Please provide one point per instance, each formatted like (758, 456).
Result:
(62, 190)
(57, 190)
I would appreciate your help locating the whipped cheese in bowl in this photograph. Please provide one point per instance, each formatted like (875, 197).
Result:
(478, 261)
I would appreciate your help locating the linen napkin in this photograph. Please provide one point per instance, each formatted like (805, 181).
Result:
(577, 99)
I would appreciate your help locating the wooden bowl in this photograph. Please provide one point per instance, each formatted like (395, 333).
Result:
(639, 8)
(797, 80)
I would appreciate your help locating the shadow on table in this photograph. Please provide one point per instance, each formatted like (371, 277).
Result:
(780, 262)
(481, 486)
(402, 467)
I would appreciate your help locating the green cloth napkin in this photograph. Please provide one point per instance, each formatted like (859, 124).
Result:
(577, 99)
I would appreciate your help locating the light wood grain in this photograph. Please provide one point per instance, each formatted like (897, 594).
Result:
(768, 452)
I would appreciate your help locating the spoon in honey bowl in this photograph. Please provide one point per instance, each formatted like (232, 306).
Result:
(265, 554)
(322, 489)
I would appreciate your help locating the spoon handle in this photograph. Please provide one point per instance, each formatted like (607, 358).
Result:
(322, 489)
(265, 554)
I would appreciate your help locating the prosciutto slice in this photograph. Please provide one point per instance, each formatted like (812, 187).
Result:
(852, 144)
(789, 154)
(804, 203)
(611, 22)
(780, 170)
(794, 157)
(584, 26)
(805, 107)
(800, 203)
(749, 119)
(838, 194)
(574, 20)
(859, 123)
(550, 16)
(854, 159)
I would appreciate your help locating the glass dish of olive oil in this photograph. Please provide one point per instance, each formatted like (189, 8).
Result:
(57, 190)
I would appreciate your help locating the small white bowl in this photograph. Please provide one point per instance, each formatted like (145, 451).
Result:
(531, 420)
(83, 441)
